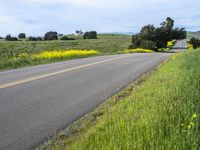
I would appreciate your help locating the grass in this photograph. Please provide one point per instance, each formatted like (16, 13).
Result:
(161, 113)
(105, 44)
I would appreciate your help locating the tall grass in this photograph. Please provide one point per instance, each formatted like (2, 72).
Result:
(163, 113)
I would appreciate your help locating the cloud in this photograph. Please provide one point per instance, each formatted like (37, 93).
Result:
(38, 16)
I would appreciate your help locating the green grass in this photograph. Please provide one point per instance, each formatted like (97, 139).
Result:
(162, 113)
(105, 44)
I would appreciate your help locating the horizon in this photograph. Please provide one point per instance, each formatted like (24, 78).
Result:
(36, 17)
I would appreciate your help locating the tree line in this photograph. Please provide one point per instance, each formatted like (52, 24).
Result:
(154, 38)
(51, 35)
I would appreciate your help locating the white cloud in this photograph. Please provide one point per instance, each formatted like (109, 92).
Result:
(39, 16)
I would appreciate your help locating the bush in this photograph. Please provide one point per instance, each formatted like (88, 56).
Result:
(67, 38)
(195, 42)
(10, 38)
(22, 35)
(51, 35)
(31, 38)
(90, 35)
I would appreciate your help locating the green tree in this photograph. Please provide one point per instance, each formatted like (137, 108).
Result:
(51, 35)
(22, 35)
(90, 35)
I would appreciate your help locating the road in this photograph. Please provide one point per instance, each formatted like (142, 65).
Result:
(36, 102)
(180, 45)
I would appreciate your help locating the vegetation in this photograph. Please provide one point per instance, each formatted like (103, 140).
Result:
(137, 50)
(31, 38)
(189, 46)
(171, 43)
(161, 113)
(25, 59)
(154, 38)
(52, 55)
(195, 42)
(66, 38)
(51, 35)
(10, 38)
(105, 44)
(22, 35)
(90, 35)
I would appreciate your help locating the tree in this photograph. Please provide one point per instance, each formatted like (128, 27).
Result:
(10, 38)
(51, 35)
(148, 33)
(195, 42)
(179, 33)
(154, 38)
(22, 35)
(90, 35)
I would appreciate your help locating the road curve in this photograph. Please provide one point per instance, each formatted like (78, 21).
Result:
(36, 102)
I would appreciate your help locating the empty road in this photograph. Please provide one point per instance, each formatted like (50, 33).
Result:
(36, 102)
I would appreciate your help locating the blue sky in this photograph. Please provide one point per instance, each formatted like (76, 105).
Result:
(35, 17)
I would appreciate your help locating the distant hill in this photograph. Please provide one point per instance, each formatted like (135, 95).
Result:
(194, 34)
(124, 33)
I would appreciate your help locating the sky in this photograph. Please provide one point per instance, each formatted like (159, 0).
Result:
(36, 17)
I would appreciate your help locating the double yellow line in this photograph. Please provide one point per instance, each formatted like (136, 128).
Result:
(7, 85)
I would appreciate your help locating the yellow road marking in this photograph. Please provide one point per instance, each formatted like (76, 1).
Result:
(3, 86)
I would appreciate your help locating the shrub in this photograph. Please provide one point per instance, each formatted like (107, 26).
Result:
(31, 38)
(67, 38)
(195, 42)
(90, 35)
(51, 35)
(10, 38)
(22, 35)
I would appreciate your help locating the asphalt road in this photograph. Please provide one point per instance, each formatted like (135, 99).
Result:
(180, 45)
(36, 102)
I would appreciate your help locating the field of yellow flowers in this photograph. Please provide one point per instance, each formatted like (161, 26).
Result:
(24, 59)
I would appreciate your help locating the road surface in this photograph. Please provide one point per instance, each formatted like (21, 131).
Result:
(180, 45)
(36, 102)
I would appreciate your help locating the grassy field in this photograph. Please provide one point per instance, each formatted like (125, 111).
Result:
(161, 113)
(105, 44)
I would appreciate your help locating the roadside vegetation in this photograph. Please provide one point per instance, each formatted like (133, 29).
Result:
(195, 42)
(25, 59)
(157, 38)
(15, 54)
(161, 113)
(136, 50)
(20, 51)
